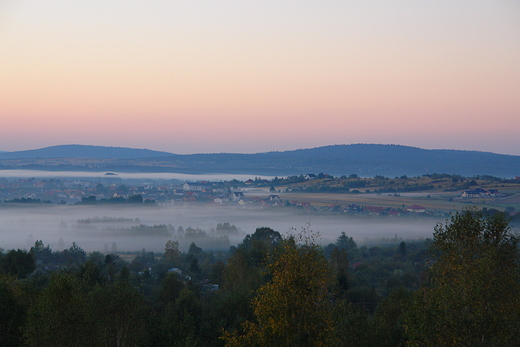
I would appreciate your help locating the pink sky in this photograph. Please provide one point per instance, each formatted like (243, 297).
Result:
(227, 76)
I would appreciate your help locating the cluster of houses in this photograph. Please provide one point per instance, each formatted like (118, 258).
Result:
(216, 193)
(239, 199)
(378, 210)
(481, 193)
(191, 191)
(74, 190)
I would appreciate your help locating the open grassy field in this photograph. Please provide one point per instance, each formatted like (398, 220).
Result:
(434, 203)
(443, 195)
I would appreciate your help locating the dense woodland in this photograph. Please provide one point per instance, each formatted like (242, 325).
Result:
(460, 288)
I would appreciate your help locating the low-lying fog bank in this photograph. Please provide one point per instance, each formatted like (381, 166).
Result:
(107, 227)
(128, 175)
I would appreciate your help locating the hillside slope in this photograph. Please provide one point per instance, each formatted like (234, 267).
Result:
(362, 159)
(82, 151)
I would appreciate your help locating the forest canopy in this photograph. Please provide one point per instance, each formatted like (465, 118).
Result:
(459, 288)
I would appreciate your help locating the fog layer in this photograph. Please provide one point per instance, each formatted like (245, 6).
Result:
(107, 226)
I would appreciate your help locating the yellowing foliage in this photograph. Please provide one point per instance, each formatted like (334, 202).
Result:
(473, 295)
(293, 308)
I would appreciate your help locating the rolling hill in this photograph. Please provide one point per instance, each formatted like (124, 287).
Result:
(362, 159)
(82, 151)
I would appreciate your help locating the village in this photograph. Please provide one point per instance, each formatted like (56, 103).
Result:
(311, 193)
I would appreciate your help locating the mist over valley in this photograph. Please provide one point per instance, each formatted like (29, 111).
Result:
(128, 211)
(259, 173)
(20, 226)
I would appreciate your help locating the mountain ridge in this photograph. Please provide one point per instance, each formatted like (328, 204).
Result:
(82, 151)
(361, 159)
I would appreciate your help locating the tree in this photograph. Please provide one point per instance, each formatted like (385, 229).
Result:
(171, 287)
(193, 264)
(346, 242)
(172, 252)
(182, 319)
(339, 263)
(77, 254)
(244, 269)
(293, 308)
(135, 199)
(116, 309)
(91, 200)
(259, 244)
(473, 294)
(18, 263)
(12, 314)
(60, 316)
(90, 273)
(239, 275)
(389, 317)
(402, 248)
(353, 326)
(194, 249)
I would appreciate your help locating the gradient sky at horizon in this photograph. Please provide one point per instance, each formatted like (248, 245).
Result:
(256, 76)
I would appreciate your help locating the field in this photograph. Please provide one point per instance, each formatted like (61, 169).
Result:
(443, 196)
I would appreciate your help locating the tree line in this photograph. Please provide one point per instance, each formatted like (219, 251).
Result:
(461, 287)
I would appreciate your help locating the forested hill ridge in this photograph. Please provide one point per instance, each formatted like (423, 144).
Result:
(82, 151)
(362, 159)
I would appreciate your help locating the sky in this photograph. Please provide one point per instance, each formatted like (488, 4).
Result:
(205, 76)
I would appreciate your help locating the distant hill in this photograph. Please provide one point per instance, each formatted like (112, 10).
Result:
(362, 159)
(365, 160)
(82, 151)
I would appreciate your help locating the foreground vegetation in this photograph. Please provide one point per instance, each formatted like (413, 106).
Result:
(459, 288)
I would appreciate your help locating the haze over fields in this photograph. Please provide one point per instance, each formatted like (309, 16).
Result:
(21, 226)
(252, 77)
(238, 173)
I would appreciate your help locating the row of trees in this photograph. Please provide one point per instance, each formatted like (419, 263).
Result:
(276, 290)
(133, 199)
(470, 296)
